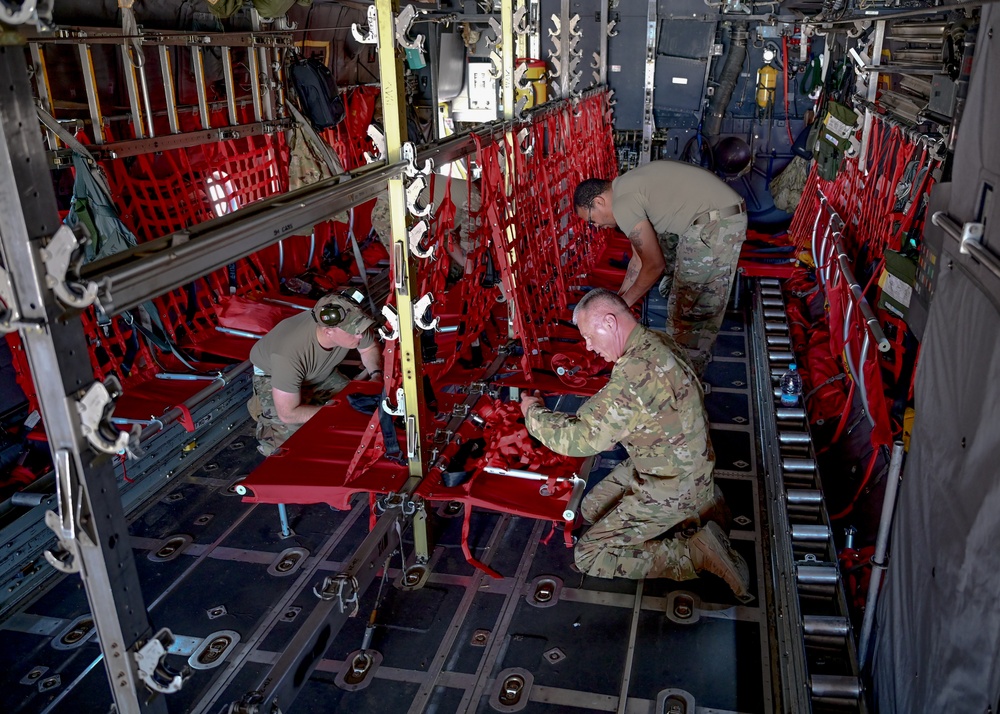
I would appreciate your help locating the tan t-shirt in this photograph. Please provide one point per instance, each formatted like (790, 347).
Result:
(293, 357)
(669, 194)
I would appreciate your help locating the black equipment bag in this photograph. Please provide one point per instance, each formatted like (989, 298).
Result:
(317, 92)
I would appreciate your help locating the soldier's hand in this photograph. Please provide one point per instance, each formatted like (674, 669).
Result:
(529, 400)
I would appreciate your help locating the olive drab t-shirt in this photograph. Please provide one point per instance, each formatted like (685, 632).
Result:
(293, 357)
(669, 194)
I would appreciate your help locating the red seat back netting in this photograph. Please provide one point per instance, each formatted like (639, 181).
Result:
(158, 194)
(878, 215)
(541, 254)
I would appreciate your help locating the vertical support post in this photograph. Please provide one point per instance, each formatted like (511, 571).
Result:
(507, 52)
(602, 45)
(279, 83)
(872, 93)
(647, 101)
(535, 35)
(133, 93)
(265, 85)
(510, 177)
(166, 71)
(421, 544)
(90, 85)
(286, 530)
(390, 65)
(227, 76)
(253, 65)
(144, 84)
(44, 92)
(198, 66)
(564, 55)
(93, 527)
(881, 547)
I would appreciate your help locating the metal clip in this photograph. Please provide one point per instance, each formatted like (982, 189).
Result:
(371, 33)
(554, 33)
(556, 66)
(378, 141)
(526, 148)
(403, 21)
(26, 12)
(343, 583)
(95, 409)
(64, 523)
(10, 316)
(519, 77)
(519, 110)
(413, 191)
(409, 153)
(416, 234)
(521, 24)
(574, 27)
(153, 670)
(62, 252)
(612, 32)
(497, 33)
(393, 319)
(400, 408)
(420, 308)
(496, 69)
(595, 62)
(66, 558)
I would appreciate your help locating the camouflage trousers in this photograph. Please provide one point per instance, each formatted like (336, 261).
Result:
(271, 431)
(701, 266)
(629, 522)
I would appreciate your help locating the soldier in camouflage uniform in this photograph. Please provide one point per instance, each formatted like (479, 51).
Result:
(465, 197)
(653, 405)
(686, 227)
(295, 366)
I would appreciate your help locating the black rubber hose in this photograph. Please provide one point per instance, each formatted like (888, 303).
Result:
(728, 78)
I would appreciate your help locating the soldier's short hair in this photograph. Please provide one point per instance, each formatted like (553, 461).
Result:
(588, 190)
(600, 298)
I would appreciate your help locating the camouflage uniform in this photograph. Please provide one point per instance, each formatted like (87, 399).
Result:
(704, 266)
(653, 405)
(306, 164)
(271, 431)
(699, 258)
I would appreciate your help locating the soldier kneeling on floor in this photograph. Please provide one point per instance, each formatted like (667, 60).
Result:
(653, 405)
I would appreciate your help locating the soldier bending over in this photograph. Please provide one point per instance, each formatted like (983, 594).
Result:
(686, 227)
(295, 366)
(653, 405)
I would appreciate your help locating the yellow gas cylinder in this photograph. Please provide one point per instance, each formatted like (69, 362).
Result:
(767, 80)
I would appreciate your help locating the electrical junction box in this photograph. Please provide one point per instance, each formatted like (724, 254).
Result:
(477, 102)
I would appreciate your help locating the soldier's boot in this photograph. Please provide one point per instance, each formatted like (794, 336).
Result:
(710, 551)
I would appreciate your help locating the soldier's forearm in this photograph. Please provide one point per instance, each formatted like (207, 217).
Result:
(562, 433)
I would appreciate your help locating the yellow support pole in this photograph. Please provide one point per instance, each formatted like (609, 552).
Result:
(507, 54)
(394, 118)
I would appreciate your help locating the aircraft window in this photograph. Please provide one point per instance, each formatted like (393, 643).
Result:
(221, 193)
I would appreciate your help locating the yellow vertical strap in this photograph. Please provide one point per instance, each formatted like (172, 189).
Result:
(393, 117)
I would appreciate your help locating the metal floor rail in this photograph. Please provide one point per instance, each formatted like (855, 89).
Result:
(818, 664)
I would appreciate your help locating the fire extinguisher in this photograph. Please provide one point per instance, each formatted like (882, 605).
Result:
(767, 81)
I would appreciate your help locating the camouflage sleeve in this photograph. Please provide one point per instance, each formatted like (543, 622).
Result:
(600, 422)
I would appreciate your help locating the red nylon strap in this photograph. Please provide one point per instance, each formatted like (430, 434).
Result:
(466, 521)
(186, 420)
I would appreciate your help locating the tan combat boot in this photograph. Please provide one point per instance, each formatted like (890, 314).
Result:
(710, 550)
